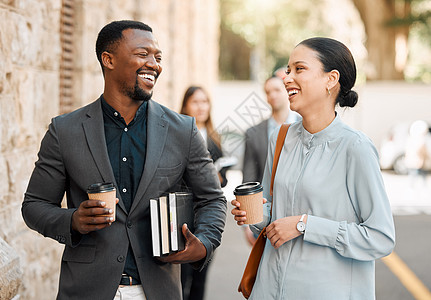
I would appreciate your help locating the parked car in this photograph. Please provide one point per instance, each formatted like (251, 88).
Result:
(393, 146)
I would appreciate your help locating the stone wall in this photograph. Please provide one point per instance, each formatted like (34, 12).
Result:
(30, 52)
(10, 271)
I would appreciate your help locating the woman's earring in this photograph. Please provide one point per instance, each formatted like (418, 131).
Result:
(329, 92)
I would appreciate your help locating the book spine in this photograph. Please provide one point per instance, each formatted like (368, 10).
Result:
(185, 214)
(155, 226)
(164, 224)
(173, 221)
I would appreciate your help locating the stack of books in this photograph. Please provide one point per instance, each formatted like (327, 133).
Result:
(168, 214)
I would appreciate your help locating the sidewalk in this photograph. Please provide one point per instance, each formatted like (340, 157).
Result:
(230, 258)
(408, 198)
(226, 268)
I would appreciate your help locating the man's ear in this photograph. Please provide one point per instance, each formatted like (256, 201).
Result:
(107, 60)
(333, 78)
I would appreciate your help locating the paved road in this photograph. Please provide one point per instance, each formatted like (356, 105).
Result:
(412, 210)
(413, 243)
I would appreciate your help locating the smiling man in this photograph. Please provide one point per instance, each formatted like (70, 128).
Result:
(146, 150)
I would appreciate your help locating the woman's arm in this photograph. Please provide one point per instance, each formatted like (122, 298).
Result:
(373, 236)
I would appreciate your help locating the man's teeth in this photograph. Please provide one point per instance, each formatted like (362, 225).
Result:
(147, 76)
(292, 92)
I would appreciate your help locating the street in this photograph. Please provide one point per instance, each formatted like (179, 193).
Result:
(413, 248)
(411, 205)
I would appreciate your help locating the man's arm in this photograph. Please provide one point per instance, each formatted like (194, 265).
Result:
(41, 208)
(210, 206)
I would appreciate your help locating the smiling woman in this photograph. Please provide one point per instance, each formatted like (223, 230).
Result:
(316, 70)
(331, 217)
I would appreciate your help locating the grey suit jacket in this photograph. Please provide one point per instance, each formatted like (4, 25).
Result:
(256, 150)
(73, 155)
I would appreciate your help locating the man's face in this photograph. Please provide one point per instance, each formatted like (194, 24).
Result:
(276, 94)
(137, 64)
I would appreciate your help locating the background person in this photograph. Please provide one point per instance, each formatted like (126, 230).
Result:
(331, 217)
(257, 137)
(144, 148)
(197, 104)
(416, 153)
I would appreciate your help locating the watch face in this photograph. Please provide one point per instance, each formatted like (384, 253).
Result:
(301, 227)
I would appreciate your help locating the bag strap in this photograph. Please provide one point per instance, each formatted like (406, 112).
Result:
(278, 147)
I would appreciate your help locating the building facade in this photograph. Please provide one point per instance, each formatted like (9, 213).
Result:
(48, 66)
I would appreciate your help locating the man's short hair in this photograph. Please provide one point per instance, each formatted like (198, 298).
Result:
(112, 33)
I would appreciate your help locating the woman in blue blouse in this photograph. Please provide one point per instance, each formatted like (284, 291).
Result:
(331, 217)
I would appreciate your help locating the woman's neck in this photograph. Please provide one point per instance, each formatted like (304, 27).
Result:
(317, 122)
(200, 125)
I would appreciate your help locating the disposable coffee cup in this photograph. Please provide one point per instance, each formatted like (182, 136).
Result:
(250, 196)
(104, 191)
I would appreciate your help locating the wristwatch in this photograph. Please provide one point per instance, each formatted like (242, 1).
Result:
(300, 226)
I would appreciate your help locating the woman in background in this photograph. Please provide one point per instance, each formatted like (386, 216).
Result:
(196, 103)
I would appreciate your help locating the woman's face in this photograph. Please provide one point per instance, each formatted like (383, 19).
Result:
(306, 82)
(198, 106)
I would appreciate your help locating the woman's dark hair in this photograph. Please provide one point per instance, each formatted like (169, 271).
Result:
(111, 33)
(208, 123)
(334, 55)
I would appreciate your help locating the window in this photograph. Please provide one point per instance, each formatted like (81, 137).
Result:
(66, 63)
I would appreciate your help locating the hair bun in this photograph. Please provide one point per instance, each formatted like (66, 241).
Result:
(350, 98)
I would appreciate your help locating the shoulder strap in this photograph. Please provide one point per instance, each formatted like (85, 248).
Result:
(278, 147)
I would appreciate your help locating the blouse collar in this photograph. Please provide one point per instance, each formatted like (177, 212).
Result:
(329, 133)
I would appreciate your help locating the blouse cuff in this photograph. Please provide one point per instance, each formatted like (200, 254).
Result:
(321, 231)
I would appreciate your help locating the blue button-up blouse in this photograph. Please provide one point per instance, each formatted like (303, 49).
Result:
(334, 177)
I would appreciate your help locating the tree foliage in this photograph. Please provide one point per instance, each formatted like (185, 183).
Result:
(270, 29)
(388, 25)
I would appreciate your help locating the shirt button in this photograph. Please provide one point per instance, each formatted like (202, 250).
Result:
(125, 129)
(124, 158)
(116, 114)
(120, 258)
(124, 190)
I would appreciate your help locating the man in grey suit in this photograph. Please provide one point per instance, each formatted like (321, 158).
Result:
(257, 137)
(144, 148)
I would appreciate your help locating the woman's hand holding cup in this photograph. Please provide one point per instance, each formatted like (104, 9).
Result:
(248, 205)
(238, 214)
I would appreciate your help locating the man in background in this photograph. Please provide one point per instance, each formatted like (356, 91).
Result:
(257, 137)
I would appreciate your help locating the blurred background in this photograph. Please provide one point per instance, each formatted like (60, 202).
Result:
(48, 67)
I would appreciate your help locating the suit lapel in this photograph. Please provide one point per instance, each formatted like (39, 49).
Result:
(157, 129)
(95, 135)
(265, 134)
(262, 140)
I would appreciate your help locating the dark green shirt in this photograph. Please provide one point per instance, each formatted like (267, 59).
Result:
(126, 145)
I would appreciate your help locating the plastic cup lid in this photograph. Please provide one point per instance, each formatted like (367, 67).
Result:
(100, 187)
(248, 188)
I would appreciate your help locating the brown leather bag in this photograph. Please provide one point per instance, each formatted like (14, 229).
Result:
(250, 272)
